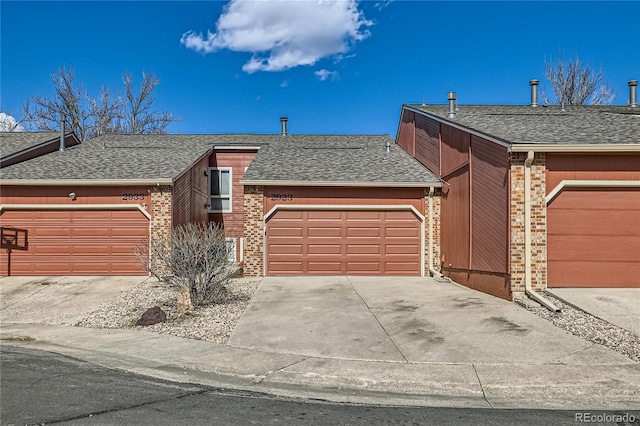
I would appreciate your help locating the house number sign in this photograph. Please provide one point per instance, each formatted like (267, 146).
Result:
(133, 196)
(281, 197)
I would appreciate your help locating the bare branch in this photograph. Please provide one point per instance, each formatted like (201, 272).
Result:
(89, 117)
(575, 83)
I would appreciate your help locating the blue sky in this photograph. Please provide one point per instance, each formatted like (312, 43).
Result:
(342, 68)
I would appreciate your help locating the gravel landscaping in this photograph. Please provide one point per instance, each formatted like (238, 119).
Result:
(588, 327)
(213, 323)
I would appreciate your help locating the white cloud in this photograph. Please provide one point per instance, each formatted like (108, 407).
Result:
(326, 74)
(285, 83)
(9, 124)
(283, 34)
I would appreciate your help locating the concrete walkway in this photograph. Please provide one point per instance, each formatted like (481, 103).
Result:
(409, 341)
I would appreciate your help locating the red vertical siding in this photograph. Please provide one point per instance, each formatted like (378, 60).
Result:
(427, 146)
(181, 200)
(238, 161)
(406, 135)
(490, 201)
(456, 198)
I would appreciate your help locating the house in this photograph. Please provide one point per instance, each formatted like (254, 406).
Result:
(533, 196)
(291, 204)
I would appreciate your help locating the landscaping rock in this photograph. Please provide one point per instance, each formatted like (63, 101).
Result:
(152, 316)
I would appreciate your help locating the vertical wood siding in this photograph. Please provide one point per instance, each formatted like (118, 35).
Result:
(456, 200)
(427, 146)
(181, 209)
(490, 201)
(406, 135)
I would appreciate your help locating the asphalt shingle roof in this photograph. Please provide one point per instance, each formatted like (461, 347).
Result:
(123, 157)
(14, 142)
(547, 125)
(299, 158)
(335, 159)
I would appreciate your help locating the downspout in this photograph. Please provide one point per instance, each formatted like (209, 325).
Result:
(527, 237)
(438, 276)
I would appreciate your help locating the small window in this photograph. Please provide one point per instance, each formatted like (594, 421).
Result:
(220, 189)
(231, 243)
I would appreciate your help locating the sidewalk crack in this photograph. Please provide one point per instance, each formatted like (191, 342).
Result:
(378, 321)
(481, 387)
(260, 379)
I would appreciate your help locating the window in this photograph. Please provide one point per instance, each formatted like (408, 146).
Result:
(220, 189)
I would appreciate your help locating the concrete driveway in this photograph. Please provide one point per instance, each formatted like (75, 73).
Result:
(411, 319)
(57, 300)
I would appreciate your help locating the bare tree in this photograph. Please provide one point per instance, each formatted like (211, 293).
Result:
(139, 117)
(195, 258)
(9, 124)
(576, 83)
(88, 117)
(44, 112)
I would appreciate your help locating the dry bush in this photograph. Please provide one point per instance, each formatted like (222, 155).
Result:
(195, 257)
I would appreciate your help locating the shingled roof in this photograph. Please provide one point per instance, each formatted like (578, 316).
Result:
(545, 125)
(14, 142)
(336, 160)
(116, 157)
(305, 159)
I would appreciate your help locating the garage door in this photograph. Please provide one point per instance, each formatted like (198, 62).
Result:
(77, 242)
(343, 243)
(594, 238)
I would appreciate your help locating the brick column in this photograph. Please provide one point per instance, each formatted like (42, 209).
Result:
(437, 202)
(538, 223)
(253, 265)
(160, 211)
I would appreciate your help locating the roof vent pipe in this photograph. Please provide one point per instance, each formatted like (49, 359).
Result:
(388, 146)
(63, 120)
(633, 93)
(534, 92)
(283, 121)
(451, 96)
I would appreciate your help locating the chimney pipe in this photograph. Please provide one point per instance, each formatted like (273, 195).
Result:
(534, 92)
(633, 93)
(451, 96)
(283, 121)
(63, 120)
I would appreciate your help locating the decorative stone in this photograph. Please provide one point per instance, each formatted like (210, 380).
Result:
(152, 316)
(183, 302)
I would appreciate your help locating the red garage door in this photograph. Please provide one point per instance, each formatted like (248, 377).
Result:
(594, 238)
(85, 242)
(330, 242)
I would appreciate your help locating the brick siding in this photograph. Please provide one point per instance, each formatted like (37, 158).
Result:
(435, 261)
(253, 264)
(538, 223)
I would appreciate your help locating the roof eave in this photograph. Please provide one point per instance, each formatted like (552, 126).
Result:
(538, 147)
(359, 184)
(455, 125)
(87, 182)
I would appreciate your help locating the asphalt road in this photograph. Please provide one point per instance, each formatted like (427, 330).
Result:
(46, 388)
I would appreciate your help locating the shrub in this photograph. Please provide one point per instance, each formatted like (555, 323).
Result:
(195, 257)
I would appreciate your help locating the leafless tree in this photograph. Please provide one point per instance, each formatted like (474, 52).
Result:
(139, 117)
(88, 117)
(8, 123)
(576, 83)
(195, 258)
